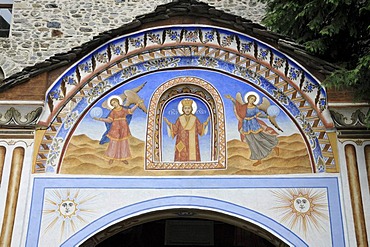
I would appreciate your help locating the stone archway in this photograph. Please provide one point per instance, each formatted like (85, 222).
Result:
(182, 207)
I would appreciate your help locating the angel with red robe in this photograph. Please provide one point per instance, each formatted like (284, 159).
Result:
(117, 123)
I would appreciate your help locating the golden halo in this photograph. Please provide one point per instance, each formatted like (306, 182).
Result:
(194, 106)
(254, 94)
(114, 97)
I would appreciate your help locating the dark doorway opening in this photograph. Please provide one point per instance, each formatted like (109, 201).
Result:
(155, 234)
(184, 228)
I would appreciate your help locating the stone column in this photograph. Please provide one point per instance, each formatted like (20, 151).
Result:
(12, 196)
(2, 160)
(356, 197)
(367, 159)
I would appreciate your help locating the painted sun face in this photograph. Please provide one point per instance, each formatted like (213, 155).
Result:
(187, 110)
(66, 211)
(67, 208)
(301, 204)
(302, 209)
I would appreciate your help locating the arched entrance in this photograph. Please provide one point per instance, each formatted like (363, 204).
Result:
(185, 208)
(184, 227)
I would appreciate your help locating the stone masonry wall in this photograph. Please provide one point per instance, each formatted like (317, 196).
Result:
(42, 28)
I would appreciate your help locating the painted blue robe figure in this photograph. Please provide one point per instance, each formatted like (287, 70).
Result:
(260, 138)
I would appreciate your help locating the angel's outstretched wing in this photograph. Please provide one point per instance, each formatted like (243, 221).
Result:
(130, 97)
(264, 105)
(239, 98)
(105, 104)
(273, 122)
(133, 98)
(138, 88)
(130, 93)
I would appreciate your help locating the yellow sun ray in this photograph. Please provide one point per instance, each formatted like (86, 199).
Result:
(81, 219)
(51, 201)
(51, 224)
(87, 199)
(68, 210)
(305, 224)
(73, 225)
(62, 231)
(57, 194)
(77, 193)
(303, 209)
(48, 211)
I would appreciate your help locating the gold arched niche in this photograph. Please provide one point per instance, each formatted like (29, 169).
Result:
(185, 86)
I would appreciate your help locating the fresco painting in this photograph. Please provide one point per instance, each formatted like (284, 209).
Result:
(117, 123)
(185, 125)
(261, 137)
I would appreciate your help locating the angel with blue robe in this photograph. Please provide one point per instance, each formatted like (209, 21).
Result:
(260, 138)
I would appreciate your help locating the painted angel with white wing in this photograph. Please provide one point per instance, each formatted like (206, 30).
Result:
(117, 123)
(260, 138)
(128, 98)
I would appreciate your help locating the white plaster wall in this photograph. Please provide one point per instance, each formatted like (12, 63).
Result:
(99, 198)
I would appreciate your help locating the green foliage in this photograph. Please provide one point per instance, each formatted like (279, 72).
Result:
(338, 31)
